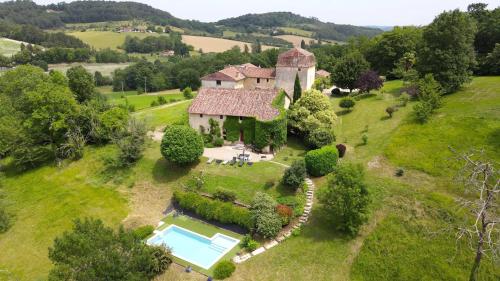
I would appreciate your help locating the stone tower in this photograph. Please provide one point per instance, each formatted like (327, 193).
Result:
(293, 62)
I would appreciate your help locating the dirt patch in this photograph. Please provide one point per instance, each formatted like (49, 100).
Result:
(148, 205)
(156, 135)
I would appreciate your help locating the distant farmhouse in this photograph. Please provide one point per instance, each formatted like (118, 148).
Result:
(243, 98)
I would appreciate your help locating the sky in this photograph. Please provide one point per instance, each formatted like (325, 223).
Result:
(355, 12)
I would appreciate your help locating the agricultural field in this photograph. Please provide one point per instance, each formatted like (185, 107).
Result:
(297, 31)
(216, 45)
(295, 39)
(105, 68)
(107, 39)
(9, 47)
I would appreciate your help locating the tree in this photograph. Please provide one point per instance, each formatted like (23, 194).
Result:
(295, 175)
(320, 137)
(348, 70)
(303, 44)
(189, 78)
(81, 83)
(347, 103)
(131, 142)
(246, 49)
(321, 161)
(447, 50)
(256, 47)
(488, 27)
(92, 251)
(312, 111)
(481, 183)
(369, 80)
(187, 93)
(346, 198)
(266, 220)
(297, 89)
(491, 63)
(181, 145)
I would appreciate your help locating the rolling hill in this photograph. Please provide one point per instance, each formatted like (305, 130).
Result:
(275, 23)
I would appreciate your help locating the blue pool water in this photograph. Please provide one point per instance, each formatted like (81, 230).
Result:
(193, 247)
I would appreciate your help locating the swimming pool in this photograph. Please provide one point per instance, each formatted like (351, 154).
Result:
(193, 247)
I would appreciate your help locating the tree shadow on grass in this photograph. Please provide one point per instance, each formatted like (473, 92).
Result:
(165, 171)
(320, 228)
(343, 112)
(385, 117)
(493, 138)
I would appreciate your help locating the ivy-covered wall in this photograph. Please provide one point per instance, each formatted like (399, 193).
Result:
(260, 133)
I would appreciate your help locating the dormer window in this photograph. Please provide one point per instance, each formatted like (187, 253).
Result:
(218, 82)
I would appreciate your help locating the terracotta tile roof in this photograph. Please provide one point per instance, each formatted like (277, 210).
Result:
(322, 73)
(296, 57)
(257, 72)
(217, 76)
(235, 102)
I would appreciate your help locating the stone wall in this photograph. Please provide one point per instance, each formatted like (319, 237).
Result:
(285, 78)
(265, 83)
(224, 84)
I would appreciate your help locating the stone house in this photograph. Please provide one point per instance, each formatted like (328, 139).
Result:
(248, 91)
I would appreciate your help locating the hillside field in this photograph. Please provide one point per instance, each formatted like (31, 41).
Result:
(8, 47)
(107, 39)
(105, 68)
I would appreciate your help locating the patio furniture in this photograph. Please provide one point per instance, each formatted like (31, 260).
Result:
(210, 161)
(225, 162)
(218, 161)
(232, 162)
(240, 164)
(249, 163)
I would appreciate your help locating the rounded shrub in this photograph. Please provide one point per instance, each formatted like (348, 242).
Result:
(347, 103)
(341, 149)
(223, 270)
(321, 161)
(144, 231)
(181, 145)
(336, 92)
(320, 137)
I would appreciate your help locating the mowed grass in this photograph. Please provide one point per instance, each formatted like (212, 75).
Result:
(9, 47)
(44, 202)
(469, 119)
(298, 31)
(107, 39)
(175, 113)
(215, 45)
(144, 101)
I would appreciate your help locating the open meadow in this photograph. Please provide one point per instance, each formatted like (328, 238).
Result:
(107, 39)
(106, 69)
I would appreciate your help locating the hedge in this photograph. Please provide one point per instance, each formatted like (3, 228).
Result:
(321, 161)
(232, 127)
(209, 209)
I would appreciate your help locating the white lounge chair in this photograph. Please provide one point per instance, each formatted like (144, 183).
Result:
(225, 162)
(210, 160)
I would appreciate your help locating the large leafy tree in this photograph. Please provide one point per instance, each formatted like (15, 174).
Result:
(92, 251)
(81, 83)
(181, 145)
(488, 27)
(39, 112)
(390, 47)
(369, 80)
(348, 70)
(447, 50)
(346, 198)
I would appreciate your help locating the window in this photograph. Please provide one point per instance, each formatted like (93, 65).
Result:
(258, 80)
(222, 117)
(201, 115)
(241, 118)
(219, 82)
(267, 80)
(300, 69)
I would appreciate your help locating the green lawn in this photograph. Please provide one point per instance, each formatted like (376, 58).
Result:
(203, 229)
(144, 101)
(297, 31)
(175, 113)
